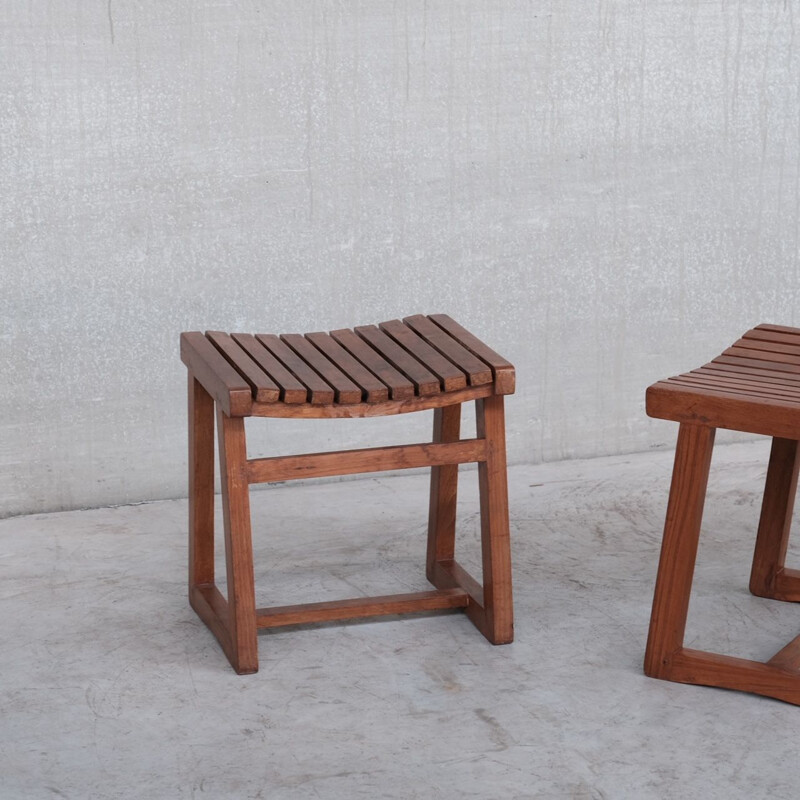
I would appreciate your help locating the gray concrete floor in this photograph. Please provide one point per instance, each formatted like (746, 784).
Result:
(112, 688)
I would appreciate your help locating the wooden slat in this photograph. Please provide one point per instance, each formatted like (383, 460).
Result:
(778, 329)
(425, 382)
(451, 378)
(217, 376)
(503, 370)
(755, 363)
(741, 387)
(371, 459)
(265, 390)
(758, 345)
(477, 371)
(400, 387)
(772, 336)
(769, 384)
(292, 391)
(373, 389)
(359, 607)
(763, 355)
(345, 391)
(756, 376)
(320, 393)
(757, 339)
(757, 372)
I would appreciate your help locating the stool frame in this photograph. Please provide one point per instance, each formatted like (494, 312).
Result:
(753, 386)
(235, 620)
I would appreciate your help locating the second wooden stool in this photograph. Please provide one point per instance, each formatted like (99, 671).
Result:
(753, 386)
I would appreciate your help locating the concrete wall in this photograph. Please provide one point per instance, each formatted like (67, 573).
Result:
(606, 191)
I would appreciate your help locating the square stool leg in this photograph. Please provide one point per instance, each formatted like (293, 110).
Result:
(444, 493)
(495, 540)
(679, 548)
(232, 621)
(238, 544)
(490, 606)
(201, 487)
(769, 576)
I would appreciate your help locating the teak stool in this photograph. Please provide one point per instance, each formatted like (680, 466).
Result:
(397, 367)
(754, 386)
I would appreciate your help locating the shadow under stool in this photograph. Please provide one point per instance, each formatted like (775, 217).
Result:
(421, 363)
(754, 386)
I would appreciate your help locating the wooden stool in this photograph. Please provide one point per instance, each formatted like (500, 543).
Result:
(753, 386)
(394, 368)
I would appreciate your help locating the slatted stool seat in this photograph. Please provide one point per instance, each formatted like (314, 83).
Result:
(754, 386)
(393, 368)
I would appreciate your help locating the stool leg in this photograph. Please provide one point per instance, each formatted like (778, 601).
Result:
(444, 491)
(776, 519)
(238, 544)
(495, 544)
(679, 547)
(201, 486)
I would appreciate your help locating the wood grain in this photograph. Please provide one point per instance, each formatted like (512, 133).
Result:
(679, 547)
(345, 391)
(443, 493)
(425, 382)
(360, 607)
(319, 391)
(399, 386)
(372, 388)
(478, 372)
(451, 378)
(503, 371)
(238, 543)
(371, 459)
(400, 367)
(201, 485)
(291, 390)
(495, 539)
(775, 522)
(217, 376)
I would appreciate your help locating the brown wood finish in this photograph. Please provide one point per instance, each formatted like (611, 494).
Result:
(201, 485)
(345, 391)
(425, 382)
(503, 371)
(775, 524)
(679, 547)
(360, 607)
(217, 376)
(476, 370)
(320, 393)
(495, 541)
(360, 410)
(238, 544)
(754, 386)
(451, 378)
(443, 493)
(400, 387)
(371, 459)
(264, 389)
(373, 389)
(291, 390)
(398, 368)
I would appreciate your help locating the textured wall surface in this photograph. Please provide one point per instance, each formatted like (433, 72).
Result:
(605, 191)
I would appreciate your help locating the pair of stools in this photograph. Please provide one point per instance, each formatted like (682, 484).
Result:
(432, 362)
